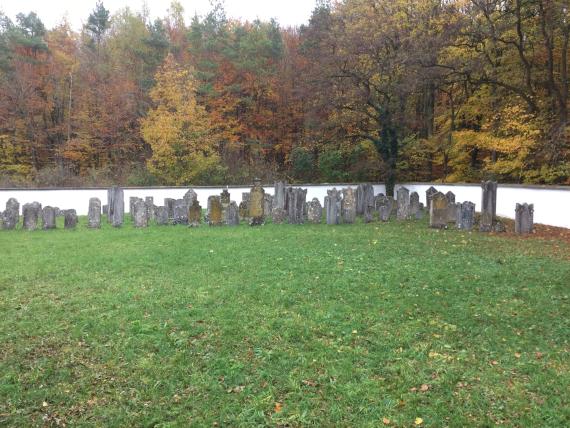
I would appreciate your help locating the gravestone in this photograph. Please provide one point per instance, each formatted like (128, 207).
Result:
(132, 201)
(149, 203)
(161, 215)
(116, 209)
(429, 194)
(415, 208)
(403, 202)
(169, 205)
(243, 210)
(215, 211)
(368, 215)
(11, 216)
(348, 205)
(267, 204)
(48, 217)
(225, 201)
(58, 212)
(279, 200)
(488, 206)
(524, 218)
(140, 214)
(450, 197)
(364, 198)
(233, 214)
(31, 213)
(465, 215)
(384, 207)
(189, 197)
(451, 207)
(377, 200)
(333, 206)
(296, 205)
(314, 212)
(180, 215)
(195, 214)
(394, 207)
(439, 212)
(256, 200)
(69, 219)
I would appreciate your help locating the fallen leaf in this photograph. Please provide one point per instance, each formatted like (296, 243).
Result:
(538, 355)
(278, 407)
(494, 362)
(419, 421)
(517, 355)
(424, 387)
(308, 382)
(45, 404)
(386, 421)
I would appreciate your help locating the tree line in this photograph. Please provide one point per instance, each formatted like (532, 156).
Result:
(368, 90)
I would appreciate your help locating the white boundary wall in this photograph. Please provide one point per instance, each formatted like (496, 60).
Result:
(551, 203)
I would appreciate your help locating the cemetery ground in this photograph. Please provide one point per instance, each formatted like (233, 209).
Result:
(354, 325)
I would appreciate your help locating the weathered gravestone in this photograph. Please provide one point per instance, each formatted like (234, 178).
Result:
(243, 210)
(267, 204)
(465, 215)
(384, 207)
(488, 206)
(69, 219)
(279, 199)
(140, 214)
(415, 208)
(296, 205)
(161, 215)
(11, 216)
(364, 198)
(214, 214)
(524, 218)
(116, 202)
(403, 202)
(333, 206)
(348, 205)
(149, 203)
(429, 194)
(180, 212)
(314, 211)
(195, 214)
(132, 201)
(438, 213)
(48, 217)
(232, 218)
(189, 197)
(451, 207)
(31, 213)
(256, 198)
(169, 205)
(225, 201)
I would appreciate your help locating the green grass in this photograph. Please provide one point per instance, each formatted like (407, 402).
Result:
(340, 325)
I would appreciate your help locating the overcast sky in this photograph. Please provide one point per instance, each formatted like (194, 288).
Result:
(287, 12)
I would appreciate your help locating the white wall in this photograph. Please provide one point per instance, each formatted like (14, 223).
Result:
(551, 204)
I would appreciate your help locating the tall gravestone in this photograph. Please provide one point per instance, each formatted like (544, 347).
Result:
(348, 205)
(69, 219)
(140, 214)
(225, 201)
(488, 206)
(451, 207)
(384, 204)
(169, 205)
(150, 208)
(180, 215)
(296, 205)
(233, 214)
(333, 206)
(438, 213)
(429, 194)
(465, 215)
(314, 212)
(256, 202)
(48, 217)
(279, 200)
(195, 214)
(524, 218)
(11, 216)
(403, 201)
(267, 204)
(189, 197)
(94, 213)
(364, 198)
(215, 211)
(415, 208)
(116, 206)
(162, 218)
(31, 214)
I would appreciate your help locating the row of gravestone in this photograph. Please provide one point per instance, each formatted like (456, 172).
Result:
(288, 204)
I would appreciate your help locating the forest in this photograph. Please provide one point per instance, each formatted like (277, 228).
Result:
(368, 90)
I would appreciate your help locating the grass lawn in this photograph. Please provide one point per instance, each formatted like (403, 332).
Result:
(282, 325)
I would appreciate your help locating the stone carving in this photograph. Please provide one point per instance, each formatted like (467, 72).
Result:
(348, 205)
(333, 206)
(429, 194)
(31, 213)
(364, 198)
(296, 205)
(214, 214)
(403, 202)
(70, 219)
(180, 212)
(385, 204)
(11, 216)
(488, 206)
(438, 213)
(524, 218)
(195, 214)
(116, 210)
(465, 215)
(140, 214)
(48, 217)
(314, 211)
(415, 208)
(161, 216)
(232, 218)
(256, 201)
